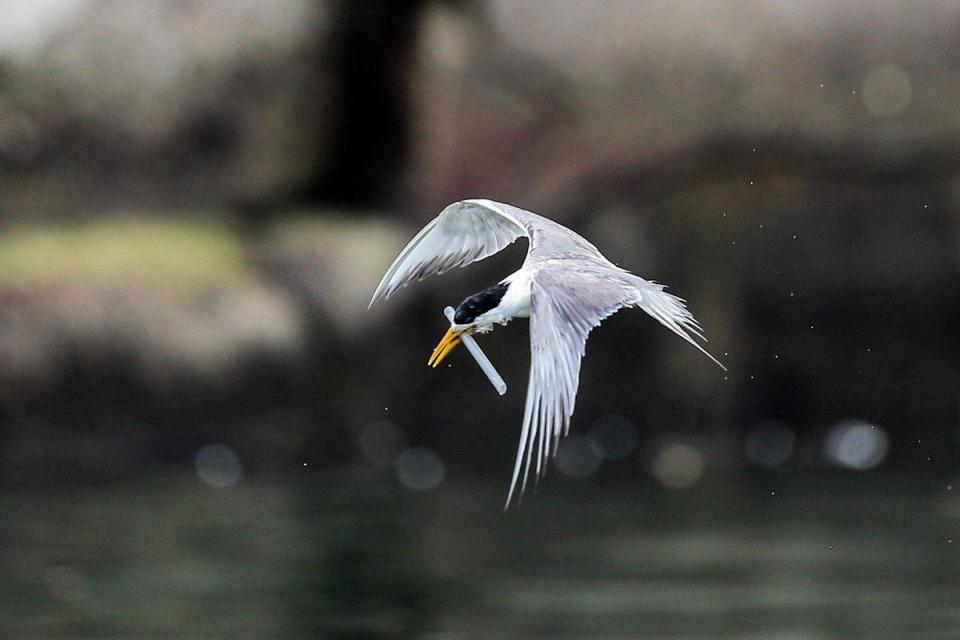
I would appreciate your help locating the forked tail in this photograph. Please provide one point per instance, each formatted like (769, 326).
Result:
(671, 312)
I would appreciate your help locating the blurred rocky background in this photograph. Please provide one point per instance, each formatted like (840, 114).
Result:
(198, 197)
(205, 433)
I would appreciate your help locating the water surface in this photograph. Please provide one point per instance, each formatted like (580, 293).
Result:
(352, 554)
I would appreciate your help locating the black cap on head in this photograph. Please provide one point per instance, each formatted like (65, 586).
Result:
(479, 303)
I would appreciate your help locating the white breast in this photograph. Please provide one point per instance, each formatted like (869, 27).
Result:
(516, 302)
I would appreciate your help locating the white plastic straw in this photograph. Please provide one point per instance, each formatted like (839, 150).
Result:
(480, 357)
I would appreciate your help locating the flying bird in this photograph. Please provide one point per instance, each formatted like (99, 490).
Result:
(565, 286)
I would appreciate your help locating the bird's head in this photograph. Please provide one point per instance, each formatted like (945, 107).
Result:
(475, 314)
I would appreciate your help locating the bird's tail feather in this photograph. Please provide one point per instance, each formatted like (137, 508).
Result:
(671, 312)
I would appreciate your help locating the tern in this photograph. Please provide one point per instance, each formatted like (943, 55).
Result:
(565, 286)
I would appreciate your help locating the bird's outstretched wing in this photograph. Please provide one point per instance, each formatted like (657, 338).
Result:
(569, 299)
(463, 233)
(472, 230)
(565, 306)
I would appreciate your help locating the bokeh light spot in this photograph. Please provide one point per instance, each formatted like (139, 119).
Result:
(579, 456)
(218, 465)
(855, 444)
(770, 444)
(886, 91)
(678, 466)
(420, 469)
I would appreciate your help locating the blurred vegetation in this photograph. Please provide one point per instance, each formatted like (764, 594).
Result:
(155, 253)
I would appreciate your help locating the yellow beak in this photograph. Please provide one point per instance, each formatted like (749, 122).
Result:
(450, 340)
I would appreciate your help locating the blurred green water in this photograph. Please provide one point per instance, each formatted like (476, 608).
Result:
(351, 554)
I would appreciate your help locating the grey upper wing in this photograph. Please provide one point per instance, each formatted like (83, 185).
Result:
(463, 233)
(548, 239)
(472, 230)
(567, 304)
